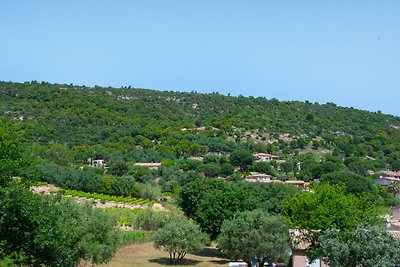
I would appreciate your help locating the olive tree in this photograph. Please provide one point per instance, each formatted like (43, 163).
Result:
(366, 246)
(255, 233)
(179, 238)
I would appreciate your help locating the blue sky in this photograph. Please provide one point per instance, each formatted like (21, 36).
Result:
(346, 52)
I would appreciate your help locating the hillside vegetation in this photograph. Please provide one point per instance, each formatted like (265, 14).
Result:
(203, 148)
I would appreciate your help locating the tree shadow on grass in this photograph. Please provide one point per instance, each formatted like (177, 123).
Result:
(209, 252)
(183, 262)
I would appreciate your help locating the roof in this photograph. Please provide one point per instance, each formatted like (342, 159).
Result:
(148, 164)
(389, 174)
(265, 155)
(263, 175)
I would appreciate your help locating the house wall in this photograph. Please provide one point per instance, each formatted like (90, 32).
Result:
(300, 260)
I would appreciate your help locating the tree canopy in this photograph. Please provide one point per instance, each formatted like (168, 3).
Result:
(255, 233)
(328, 207)
(365, 246)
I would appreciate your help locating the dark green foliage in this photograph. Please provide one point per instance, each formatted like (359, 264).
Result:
(53, 232)
(210, 202)
(262, 167)
(361, 167)
(227, 169)
(355, 184)
(209, 169)
(11, 156)
(328, 207)
(255, 233)
(241, 158)
(193, 193)
(395, 165)
(118, 168)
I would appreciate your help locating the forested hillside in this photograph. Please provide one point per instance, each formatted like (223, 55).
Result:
(128, 118)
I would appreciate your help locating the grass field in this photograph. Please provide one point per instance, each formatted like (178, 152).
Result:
(144, 255)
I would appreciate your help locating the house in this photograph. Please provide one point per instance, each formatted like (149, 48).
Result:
(96, 162)
(150, 165)
(299, 245)
(265, 157)
(259, 177)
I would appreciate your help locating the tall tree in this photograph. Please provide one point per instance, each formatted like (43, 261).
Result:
(241, 158)
(255, 233)
(327, 207)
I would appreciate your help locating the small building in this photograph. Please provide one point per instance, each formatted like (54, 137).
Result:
(150, 165)
(265, 157)
(96, 162)
(259, 177)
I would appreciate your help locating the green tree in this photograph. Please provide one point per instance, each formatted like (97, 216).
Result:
(51, 231)
(355, 184)
(365, 246)
(193, 193)
(11, 154)
(227, 169)
(209, 169)
(255, 233)
(178, 238)
(329, 206)
(241, 158)
(361, 167)
(262, 167)
(395, 165)
(119, 168)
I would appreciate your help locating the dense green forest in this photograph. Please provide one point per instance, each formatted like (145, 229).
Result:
(205, 144)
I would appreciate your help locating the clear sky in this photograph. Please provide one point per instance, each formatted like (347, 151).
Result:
(346, 52)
